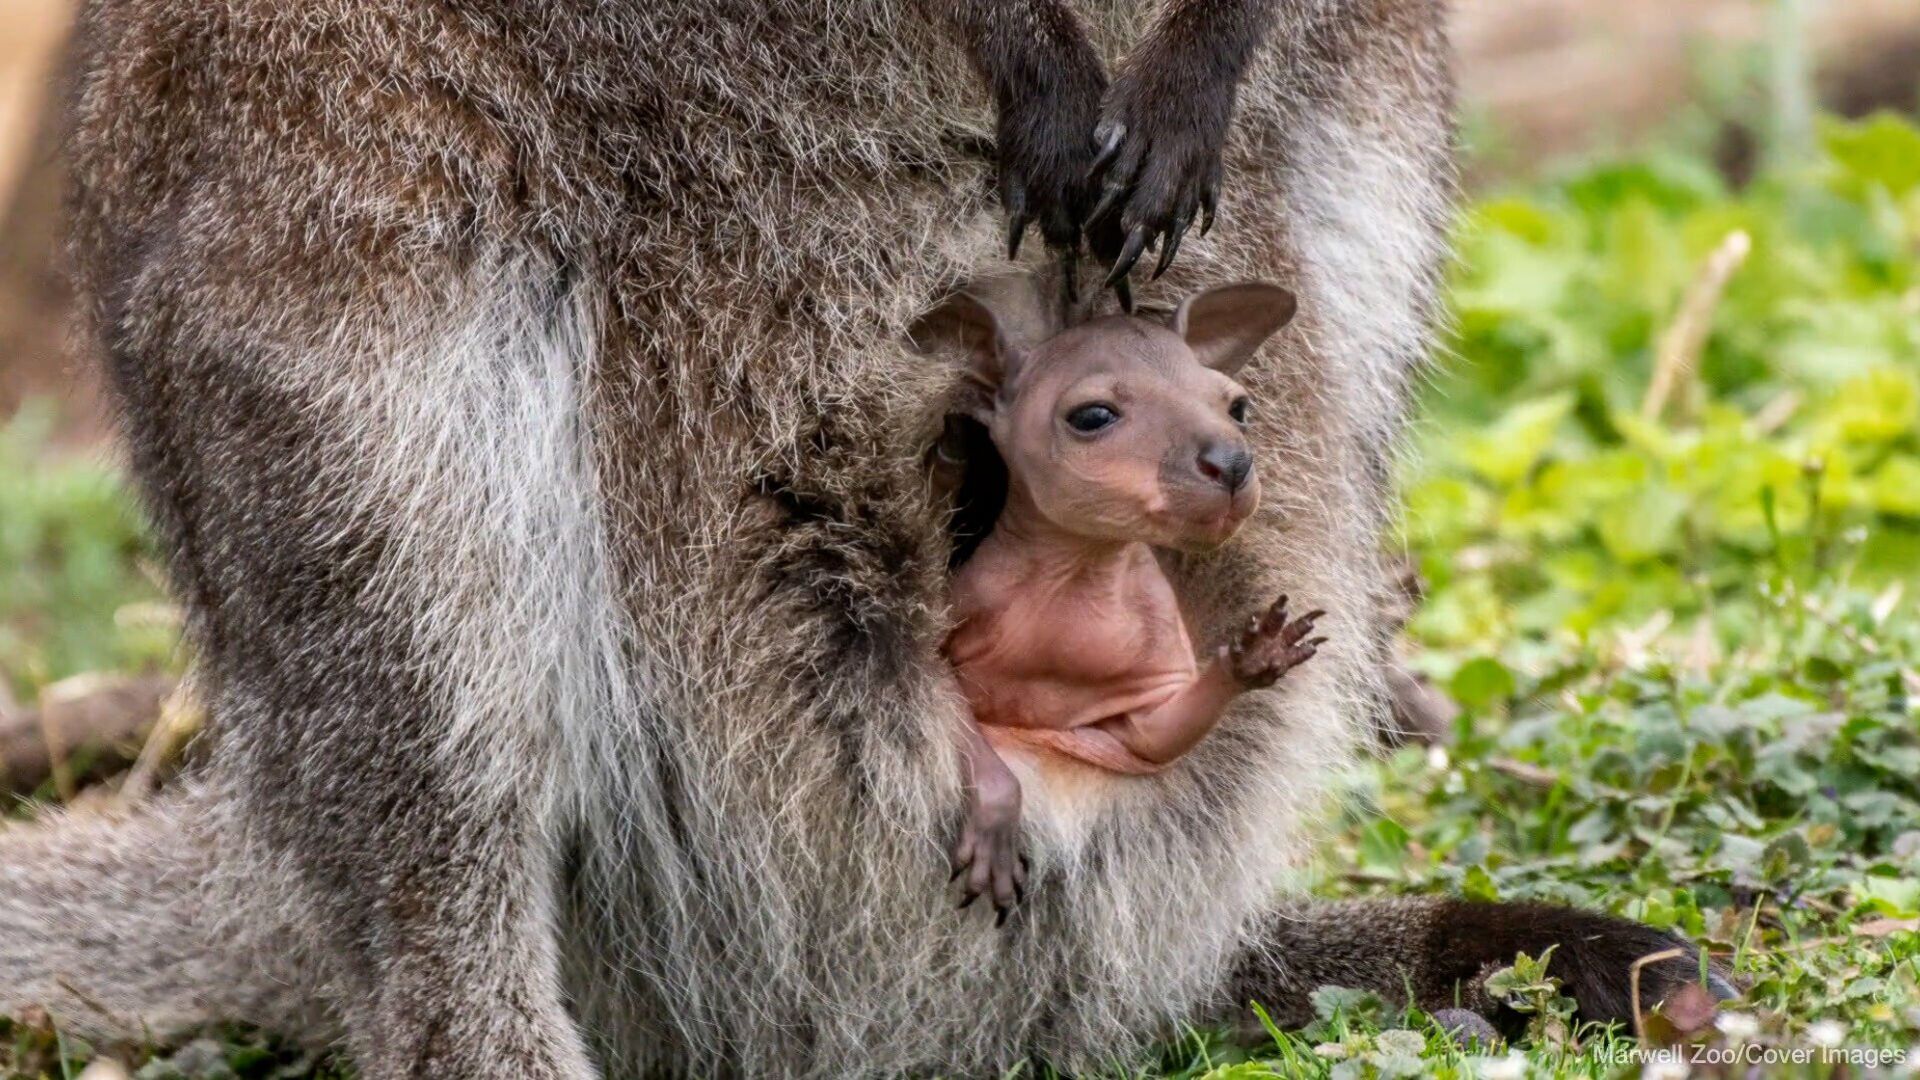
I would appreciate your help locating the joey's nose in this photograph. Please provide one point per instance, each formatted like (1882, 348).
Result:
(1227, 464)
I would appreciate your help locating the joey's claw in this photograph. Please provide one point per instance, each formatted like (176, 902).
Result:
(1272, 619)
(1129, 253)
(1124, 293)
(1299, 627)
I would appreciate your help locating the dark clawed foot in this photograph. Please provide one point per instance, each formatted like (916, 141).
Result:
(1273, 645)
(1045, 154)
(1157, 168)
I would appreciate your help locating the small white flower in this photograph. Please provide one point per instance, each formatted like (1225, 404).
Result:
(1666, 1069)
(1827, 1033)
(1332, 1051)
(1401, 1041)
(1511, 1067)
(1737, 1026)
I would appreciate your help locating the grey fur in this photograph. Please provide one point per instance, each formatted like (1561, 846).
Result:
(518, 389)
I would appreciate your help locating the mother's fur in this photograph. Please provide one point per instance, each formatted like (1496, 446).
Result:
(516, 388)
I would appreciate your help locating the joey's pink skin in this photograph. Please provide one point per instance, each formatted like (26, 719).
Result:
(1119, 436)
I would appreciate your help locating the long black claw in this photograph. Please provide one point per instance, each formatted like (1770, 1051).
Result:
(1209, 202)
(1000, 917)
(1129, 253)
(1109, 198)
(1123, 292)
(1019, 894)
(1170, 245)
(1016, 230)
(1107, 135)
(955, 876)
(968, 902)
(1070, 275)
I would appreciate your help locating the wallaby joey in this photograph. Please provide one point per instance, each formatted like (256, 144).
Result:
(1119, 436)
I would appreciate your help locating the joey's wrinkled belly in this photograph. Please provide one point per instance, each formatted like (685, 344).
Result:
(1053, 697)
(1062, 702)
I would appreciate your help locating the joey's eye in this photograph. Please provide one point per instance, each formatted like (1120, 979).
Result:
(1238, 410)
(1088, 419)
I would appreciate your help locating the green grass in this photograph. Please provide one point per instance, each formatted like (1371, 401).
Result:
(78, 592)
(1683, 639)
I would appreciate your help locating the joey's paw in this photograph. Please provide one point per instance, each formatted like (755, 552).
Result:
(987, 861)
(1046, 150)
(1157, 166)
(1272, 645)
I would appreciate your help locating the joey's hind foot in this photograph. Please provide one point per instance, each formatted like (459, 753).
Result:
(1272, 645)
(987, 860)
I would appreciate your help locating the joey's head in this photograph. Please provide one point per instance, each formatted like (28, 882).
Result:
(1123, 428)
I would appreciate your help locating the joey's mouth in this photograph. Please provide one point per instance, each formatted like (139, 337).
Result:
(1202, 520)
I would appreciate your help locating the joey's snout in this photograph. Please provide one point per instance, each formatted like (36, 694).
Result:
(1208, 488)
(1226, 464)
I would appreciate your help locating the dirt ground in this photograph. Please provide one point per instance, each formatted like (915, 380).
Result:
(1549, 76)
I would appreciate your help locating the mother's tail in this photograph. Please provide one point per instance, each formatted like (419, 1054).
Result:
(121, 925)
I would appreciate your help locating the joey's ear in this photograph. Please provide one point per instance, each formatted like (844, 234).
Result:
(961, 322)
(1225, 326)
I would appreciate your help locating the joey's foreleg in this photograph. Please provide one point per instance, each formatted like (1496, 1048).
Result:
(987, 860)
(1047, 83)
(1271, 646)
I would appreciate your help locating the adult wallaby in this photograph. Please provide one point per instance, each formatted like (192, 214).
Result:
(517, 388)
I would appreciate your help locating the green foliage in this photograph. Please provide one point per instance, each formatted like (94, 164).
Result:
(1526, 988)
(1546, 504)
(73, 595)
(1683, 643)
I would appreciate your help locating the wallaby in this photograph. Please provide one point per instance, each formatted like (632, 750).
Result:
(517, 391)
(1118, 436)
